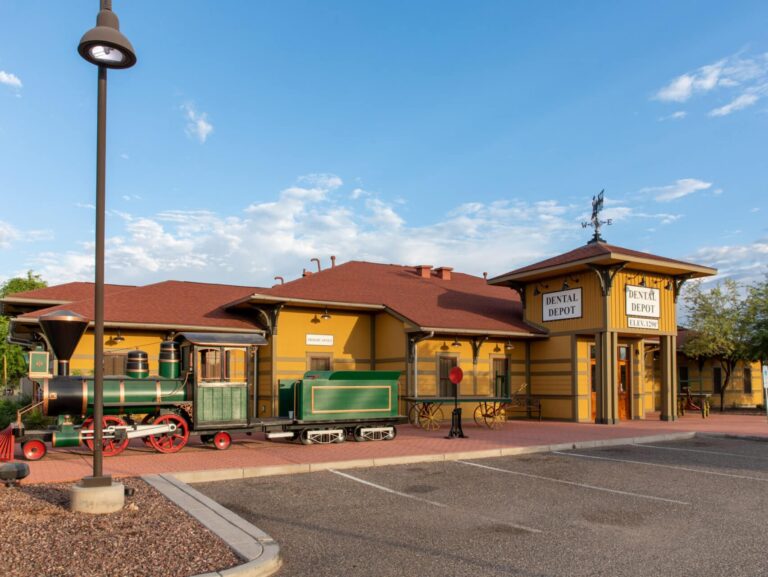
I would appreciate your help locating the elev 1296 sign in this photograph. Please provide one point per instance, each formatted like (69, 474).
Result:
(642, 302)
(561, 305)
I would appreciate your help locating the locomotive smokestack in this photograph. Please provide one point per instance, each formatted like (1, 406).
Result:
(63, 330)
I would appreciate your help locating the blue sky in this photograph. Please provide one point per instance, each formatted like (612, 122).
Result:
(253, 136)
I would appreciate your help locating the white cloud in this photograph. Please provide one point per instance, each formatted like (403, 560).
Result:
(745, 263)
(745, 79)
(682, 187)
(197, 126)
(738, 103)
(8, 234)
(10, 80)
(124, 156)
(315, 218)
(678, 115)
(11, 235)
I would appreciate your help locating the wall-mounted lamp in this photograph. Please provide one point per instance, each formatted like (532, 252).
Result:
(509, 346)
(119, 338)
(325, 316)
(455, 343)
(668, 286)
(572, 279)
(538, 287)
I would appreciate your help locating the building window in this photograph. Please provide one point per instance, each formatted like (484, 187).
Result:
(319, 363)
(445, 386)
(747, 381)
(717, 380)
(683, 378)
(500, 380)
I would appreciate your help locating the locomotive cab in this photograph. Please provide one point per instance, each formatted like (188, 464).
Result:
(221, 369)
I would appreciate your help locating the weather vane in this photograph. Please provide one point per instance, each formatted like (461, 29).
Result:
(595, 222)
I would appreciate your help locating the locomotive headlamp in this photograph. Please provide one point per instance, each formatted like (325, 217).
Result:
(105, 45)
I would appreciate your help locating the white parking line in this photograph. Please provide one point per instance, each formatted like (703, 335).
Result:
(723, 453)
(676, 467)
(427, 501)
(574, 483)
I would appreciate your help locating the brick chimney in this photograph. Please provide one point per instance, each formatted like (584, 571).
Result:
(444, 272)
(424, 270)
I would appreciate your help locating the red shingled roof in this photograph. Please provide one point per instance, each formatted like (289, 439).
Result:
(66, 293)
(169, 303)
(464, 302)
(590, 251)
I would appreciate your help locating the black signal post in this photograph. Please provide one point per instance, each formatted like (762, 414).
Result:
(455, 375)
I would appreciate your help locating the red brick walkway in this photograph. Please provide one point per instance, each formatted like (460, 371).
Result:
(71, 465)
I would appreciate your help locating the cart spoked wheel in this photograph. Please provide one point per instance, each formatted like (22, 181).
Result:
(429, 418)
(480, 412)
(304, 437)
(174, 441)
(34, 450)
(222, 440)
(495, 417)
(109, 447)
(147, 420)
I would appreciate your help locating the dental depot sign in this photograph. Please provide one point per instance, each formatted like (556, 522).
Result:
(642, 306)
(562, 305)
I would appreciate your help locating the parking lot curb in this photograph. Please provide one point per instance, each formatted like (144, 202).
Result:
(760, 438)
(260, 553)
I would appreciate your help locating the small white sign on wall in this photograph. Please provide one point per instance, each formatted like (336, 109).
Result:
(323, 340)
(642, 301)
(636, 323)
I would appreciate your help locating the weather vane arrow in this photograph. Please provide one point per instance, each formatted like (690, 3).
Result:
(595, 222)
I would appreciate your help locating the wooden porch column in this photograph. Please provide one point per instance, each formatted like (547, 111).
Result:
(605, 373)
(668, 354)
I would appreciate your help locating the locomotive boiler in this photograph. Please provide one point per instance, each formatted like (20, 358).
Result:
(205, 387)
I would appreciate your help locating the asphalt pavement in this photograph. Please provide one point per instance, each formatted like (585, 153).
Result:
(686, 508)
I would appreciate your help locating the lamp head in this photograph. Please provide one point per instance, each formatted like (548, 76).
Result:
(105, 45)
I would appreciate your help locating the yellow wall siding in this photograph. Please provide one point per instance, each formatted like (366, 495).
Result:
(390, 340)
(734, 394)
(591, 303)
(351, 349)
(551, 376)
(618, 301)
(149, 342)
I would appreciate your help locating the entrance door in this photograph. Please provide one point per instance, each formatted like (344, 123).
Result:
(445, 387)
(625, 372)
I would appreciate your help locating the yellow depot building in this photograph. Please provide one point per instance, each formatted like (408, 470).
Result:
(587, 336)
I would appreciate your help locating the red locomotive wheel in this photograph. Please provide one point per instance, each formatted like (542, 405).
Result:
(109, 447)
(222, 440)
(170, 442)
(34, 450)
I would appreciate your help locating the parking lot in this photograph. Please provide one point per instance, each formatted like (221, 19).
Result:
(695, 507)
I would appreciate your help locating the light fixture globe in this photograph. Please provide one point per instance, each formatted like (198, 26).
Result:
(105, 45)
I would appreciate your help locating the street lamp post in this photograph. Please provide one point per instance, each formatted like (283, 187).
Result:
(105, 47)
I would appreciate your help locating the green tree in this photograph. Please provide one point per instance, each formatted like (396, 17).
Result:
(12, 356)
(757, 320)
(717, 321)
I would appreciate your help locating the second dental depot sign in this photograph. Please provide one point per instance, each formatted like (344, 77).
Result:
(643, 309)
(561, 305)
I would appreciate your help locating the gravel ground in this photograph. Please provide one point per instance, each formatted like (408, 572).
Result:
(40, 537)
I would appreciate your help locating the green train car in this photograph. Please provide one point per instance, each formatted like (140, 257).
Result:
(329, 406)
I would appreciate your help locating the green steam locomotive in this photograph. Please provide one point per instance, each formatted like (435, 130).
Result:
(205, 387)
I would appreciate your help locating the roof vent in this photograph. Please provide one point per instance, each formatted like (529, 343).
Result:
(333, 260)
(444, 272)
(485, 275)
(424, 270)
(305, 273)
